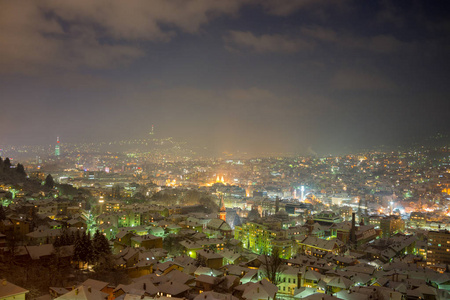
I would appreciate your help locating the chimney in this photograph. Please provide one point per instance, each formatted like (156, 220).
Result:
(4, 282)
(353, 229)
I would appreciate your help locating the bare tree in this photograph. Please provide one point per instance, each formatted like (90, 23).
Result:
(272, 265)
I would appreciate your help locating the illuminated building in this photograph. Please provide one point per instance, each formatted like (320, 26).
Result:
(438, 247)
(116, 191)
(146, 241)
(318, 247)
(261, 238)
(57, 148)
(101, 204)
(220, 180)
(14, 227)
(327, 218)
(375, 220)
(417, 218)
(391, 225)
(223, 210)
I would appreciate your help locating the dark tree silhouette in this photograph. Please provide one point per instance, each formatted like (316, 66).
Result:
(272, 265)
(171, 243)
(83, 250)
(21, 170)
(100, 245)
(2, 213)
(209, 204)
(6, 164)
(106, 270)
(49, 182)
(64, 239)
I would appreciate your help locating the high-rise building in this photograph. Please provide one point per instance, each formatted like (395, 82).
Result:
(57, 148)
(438, 247)
(391, 225)
(417, 218)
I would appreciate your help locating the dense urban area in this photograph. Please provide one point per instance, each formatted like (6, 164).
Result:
(83, 222)
(224, 150)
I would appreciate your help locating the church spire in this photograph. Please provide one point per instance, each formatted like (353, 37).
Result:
(222, 210)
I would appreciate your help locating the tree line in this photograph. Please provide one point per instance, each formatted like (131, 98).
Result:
(86, 249)
(6, 167)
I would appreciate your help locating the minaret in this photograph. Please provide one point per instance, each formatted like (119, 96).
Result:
(223, 210)
(57, 149)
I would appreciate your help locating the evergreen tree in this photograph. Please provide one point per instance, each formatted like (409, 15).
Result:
(49, 181)
(78, 249)
(89, 248)
(21, 170)
(72, 238)
(101, 245)
(83, 250)
(6, 164)
(64, 238)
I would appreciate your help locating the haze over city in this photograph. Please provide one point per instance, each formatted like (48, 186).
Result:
(253, 76)
(224, 150)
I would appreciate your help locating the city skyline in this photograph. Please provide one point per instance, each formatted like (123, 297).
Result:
(254, 76)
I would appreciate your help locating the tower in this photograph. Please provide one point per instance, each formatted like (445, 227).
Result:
(57, 148)
(152, 132)
(302, 189)
(222, 210)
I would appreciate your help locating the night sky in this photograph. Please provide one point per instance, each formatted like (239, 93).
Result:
(256, 75)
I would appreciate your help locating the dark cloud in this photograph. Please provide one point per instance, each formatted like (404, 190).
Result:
(381, 43)
(266, 43)
(288, 7)
(253, 74)
(360, 80)
(31, 42)
(39, 35)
